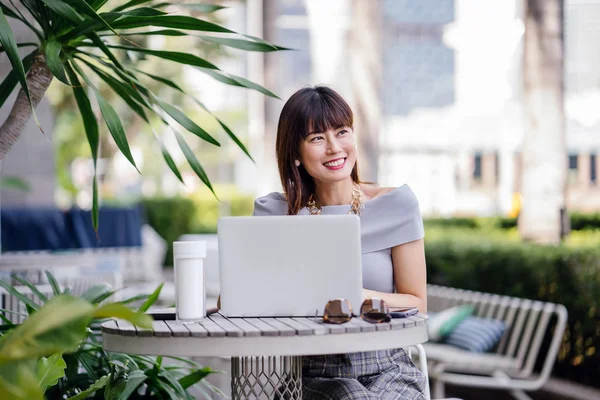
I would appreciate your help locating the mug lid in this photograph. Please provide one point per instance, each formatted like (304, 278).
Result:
(189, 249)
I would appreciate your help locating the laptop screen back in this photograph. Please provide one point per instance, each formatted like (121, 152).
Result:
(288, 265)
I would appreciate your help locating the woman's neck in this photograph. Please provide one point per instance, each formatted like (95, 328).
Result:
(334, 194)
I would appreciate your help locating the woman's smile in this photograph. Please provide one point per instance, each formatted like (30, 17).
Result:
(336, 164)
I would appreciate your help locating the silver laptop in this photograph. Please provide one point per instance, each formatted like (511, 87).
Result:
(288, 266)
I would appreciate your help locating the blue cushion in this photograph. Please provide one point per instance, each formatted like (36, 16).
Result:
(442, 323)
(476, 334)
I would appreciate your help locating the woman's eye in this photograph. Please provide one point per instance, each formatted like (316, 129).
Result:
(343, 132)
(316, 138)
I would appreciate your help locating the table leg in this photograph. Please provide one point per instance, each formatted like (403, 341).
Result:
(269, 377)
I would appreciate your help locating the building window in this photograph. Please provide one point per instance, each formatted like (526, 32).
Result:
(477, 167)
(573, 173)
(593, 169)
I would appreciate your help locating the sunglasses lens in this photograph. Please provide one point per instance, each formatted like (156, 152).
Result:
(337, 311)
(375, 310)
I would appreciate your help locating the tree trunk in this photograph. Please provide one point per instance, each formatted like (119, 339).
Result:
(366, 80)
(544, 153)
(39, 78)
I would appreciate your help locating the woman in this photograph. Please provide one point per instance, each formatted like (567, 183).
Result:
(316, 155)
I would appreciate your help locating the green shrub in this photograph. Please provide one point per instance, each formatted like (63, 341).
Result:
(454, 222)
(174, 216)
(170, 217)
(567, 274)
(579, 222)
(209, 210)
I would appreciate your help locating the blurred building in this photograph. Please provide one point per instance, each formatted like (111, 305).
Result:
(452, 117)
(457, 126)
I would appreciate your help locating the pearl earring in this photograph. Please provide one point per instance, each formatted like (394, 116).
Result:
(297, 162)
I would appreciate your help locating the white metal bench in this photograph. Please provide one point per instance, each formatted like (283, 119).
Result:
(511, 365)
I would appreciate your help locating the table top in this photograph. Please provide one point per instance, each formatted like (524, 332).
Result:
(217, 335)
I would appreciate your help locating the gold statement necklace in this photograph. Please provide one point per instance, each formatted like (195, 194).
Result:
(356, 205)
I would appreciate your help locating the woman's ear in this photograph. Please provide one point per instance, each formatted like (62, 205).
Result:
(297, 162)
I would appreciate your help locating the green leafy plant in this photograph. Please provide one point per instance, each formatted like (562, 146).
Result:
(79, 41)
(56, 352)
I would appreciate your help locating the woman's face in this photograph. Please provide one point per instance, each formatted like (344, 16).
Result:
(329, 156)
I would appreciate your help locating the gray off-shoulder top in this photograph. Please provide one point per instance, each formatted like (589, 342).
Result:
(386, 221)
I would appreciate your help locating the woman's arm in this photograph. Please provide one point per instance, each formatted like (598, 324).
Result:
(410, 277)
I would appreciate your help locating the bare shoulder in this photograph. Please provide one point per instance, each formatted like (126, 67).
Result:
(373, 191)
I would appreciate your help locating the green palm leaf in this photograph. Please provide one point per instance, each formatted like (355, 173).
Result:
(182, 58)
(31, 287)
(160, 32)
(10, 13)
(64, 10)
(242, 44)
(111, 119)
(84, 8)
(168, 159)
(187, 123)
(251, 85)
(171, 21)
(97, 4)
(17, 294)
(10, 82)
(128, 94)
(234, 137)
(237, 81)
(139, 12)
(172, 84)
(125, 91)
(85, 108)
(7, 40)
(193, 161)
(152, 299)
(114, 125)
(102, 46)
(130, 4)
(95, 211)
(53, 50)
(202, 7)
(52, 281)
(195, 377)
(23, 44)
(91, 131)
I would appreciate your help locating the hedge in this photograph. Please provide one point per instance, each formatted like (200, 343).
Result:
(579, 222)
(567, 274)
(172, 217)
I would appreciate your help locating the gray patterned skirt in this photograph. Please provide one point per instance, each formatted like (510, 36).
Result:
(383, 375)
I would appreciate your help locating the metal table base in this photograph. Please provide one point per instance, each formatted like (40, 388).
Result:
(268, 377)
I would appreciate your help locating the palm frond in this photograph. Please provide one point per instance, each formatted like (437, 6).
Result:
(87, 43)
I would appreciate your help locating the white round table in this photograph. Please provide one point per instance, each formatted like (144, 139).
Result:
(266, 353)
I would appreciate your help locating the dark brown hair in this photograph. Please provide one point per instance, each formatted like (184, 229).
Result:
(310, 109)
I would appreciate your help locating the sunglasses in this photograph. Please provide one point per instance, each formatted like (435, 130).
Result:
(339, 311)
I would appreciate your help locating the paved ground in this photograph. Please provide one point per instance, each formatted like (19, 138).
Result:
(555, 389)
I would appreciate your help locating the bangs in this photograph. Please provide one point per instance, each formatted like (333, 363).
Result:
(325, 112)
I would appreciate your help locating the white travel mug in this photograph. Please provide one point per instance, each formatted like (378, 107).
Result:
(190, 280)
